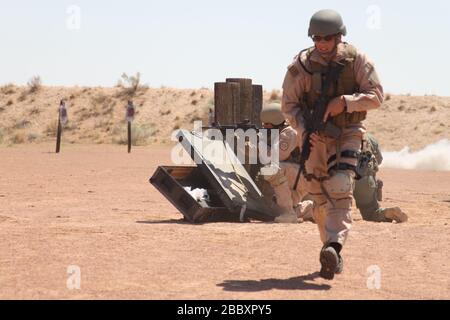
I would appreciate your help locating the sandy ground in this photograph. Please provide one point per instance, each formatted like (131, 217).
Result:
(92, 206)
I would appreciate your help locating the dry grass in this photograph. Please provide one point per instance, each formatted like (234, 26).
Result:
(140, 134)
(8, 89)
(34, 111)
(51, 128)
(96, 115)
(102, 104)
(275, 95)
(22, 124)
(165, 112)
(18, 138)
(33, 136)
(130, 85)
(103, 124)
(34, 84)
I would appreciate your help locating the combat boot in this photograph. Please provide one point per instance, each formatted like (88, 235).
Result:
(340, 266)
(304, 210)
(329, 260)
(395, 214)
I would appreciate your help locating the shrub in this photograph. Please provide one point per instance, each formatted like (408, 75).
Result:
(33, 136)
(274, 95)
(130, 84)
(18, 138)
(51, 128)
(34, 110)
(34, 84)
(140, 135)
(8, 89)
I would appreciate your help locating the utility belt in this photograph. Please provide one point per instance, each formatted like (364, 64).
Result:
(338, 166)
(345, 119)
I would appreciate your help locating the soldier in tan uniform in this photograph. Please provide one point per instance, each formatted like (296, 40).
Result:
(330, 170)
(282, 181)
(368, 189)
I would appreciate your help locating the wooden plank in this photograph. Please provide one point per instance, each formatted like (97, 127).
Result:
(246, 99)
(257, 104)
(226, 102)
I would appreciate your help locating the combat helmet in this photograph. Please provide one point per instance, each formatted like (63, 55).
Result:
(326, 22)
(271, 113)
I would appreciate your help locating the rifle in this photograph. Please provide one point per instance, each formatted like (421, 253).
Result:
(313, 117)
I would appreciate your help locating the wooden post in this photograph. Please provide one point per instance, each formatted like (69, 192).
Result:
(246, 99)
(226, 102)
(256, 120)
(129, 116)
(58, 135)
(129, 136)
(257, 105)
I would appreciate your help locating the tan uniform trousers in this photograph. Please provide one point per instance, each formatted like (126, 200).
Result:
(282, 185)
(333, 197)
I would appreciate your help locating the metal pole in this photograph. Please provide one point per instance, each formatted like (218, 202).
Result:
(129, 136)
(58, 135)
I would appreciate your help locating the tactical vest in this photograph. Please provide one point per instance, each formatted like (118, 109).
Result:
(346, 85)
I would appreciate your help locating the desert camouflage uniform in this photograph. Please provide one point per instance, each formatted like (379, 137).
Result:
(368, 189)
(332, 185)
(283, 181)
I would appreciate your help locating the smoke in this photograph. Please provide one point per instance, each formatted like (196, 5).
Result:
(434, 157)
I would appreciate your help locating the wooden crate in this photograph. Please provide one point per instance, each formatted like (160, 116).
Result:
(171, 180)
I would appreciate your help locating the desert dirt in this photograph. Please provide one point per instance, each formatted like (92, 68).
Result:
(97, 115)
(92, 206)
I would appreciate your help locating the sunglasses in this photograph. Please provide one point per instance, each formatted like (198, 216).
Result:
(326, 38)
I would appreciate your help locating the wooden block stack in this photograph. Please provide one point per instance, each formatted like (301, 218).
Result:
(237, 100)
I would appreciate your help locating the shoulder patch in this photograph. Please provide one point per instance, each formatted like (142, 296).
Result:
(351, 51)
(293, 70)
(372, 74)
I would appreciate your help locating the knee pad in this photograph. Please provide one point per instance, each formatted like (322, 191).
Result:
(276, 179)
(340, 189)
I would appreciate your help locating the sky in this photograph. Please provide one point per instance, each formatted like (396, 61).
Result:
(192, 44)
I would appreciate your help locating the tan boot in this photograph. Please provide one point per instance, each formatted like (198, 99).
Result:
(395, 214)
(304, 210)
(283, 194)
